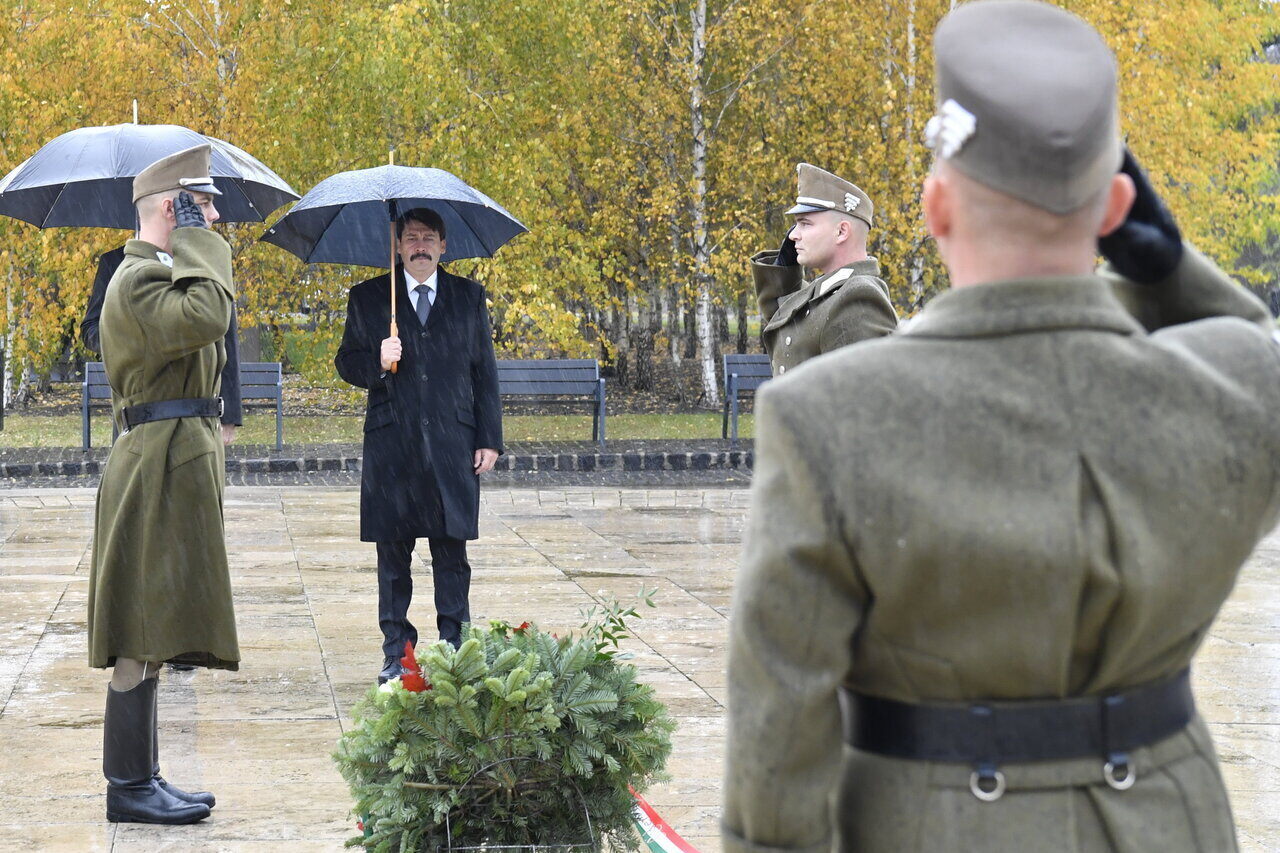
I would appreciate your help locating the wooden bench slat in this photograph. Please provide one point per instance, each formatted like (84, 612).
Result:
(547, 387)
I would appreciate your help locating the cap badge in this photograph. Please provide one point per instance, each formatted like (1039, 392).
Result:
(950, 129)
(851, 202)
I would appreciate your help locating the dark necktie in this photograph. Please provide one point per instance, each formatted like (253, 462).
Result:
(424, 304)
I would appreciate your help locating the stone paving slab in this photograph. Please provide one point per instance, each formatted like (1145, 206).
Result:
(306, 596)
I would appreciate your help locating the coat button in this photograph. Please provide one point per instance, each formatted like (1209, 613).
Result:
(806, 312)
(782, 369)
(788, 340)
(422, 334)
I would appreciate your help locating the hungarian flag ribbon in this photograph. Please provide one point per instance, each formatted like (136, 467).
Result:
(654, 831)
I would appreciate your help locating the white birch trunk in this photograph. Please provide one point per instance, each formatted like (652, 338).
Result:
(701, 248)
(6, 369)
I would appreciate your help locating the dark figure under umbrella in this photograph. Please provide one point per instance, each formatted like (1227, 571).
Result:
(232, 407)
(430, 430)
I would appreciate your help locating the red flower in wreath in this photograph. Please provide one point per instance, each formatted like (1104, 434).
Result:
(524, 626)
(412, 679)
(409, 662)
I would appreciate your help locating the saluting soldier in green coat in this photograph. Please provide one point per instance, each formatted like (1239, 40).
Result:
(983, 550)
(848, 302)
(159, 588)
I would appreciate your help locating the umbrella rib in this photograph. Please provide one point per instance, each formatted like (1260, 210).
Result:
(62, 189)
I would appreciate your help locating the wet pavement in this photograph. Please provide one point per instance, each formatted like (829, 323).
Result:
(306, 595)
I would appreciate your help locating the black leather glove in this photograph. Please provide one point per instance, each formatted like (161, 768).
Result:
(187, 213)
(1147, 246)
(786, 252)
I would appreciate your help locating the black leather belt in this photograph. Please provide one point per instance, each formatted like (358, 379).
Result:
(987, 734)
(162, 410)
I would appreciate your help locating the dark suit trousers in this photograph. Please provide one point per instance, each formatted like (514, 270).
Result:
(452, 576)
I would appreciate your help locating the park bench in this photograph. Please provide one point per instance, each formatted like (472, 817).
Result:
(553, 378)
(259, 381)
(743, 374)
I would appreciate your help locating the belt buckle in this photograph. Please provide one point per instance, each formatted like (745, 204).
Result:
(1119, 760)
(987, 773)
(222, 406)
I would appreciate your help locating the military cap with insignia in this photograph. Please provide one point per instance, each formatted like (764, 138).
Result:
(820, 190)
(186, 170)
(1048, 134)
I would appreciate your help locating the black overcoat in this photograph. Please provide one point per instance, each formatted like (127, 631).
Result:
(424, 423)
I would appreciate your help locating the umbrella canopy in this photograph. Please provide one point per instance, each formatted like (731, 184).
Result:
(85, 177)
(343, 219)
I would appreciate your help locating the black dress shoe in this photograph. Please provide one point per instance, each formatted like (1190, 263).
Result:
(391, 668)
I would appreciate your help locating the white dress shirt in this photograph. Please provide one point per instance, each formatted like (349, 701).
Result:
(412, 284)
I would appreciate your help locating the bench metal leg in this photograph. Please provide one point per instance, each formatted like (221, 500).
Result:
(600, 414)
(84, 419)
(279, 425)
(729, 389)
(733, 441)
(733, 436)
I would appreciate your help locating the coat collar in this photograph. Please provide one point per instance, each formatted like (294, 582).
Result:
(143, 249)
(1023, 305)
(824, 284)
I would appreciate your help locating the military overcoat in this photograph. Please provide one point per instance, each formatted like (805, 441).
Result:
(1023, 494)
(159, 588)
(423, 423)
(801, 320)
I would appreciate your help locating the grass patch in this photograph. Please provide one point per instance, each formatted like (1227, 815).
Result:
(260, 428)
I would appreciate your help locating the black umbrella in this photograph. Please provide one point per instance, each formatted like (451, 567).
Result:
(349, 218)
(85, 177)
(343, 219)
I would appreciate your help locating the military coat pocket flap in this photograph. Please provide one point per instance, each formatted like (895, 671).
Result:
(190, 441)
(378, 416)
(467, 417)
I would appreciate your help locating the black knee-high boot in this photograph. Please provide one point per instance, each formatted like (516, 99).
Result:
(133, 795)
(203, 797)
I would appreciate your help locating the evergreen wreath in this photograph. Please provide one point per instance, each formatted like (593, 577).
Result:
(518, 738)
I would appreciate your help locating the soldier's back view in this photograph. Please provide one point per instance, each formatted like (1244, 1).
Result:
(1001, 533)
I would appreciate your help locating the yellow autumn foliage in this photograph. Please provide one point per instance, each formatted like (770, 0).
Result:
(649, 151)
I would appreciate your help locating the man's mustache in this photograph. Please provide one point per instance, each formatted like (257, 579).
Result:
(426, 256)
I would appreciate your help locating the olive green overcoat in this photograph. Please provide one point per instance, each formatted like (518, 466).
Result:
(800, 321)
(159, 588)
(1021, 494)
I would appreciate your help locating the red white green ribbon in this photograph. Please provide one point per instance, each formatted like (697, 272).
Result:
(654, 831)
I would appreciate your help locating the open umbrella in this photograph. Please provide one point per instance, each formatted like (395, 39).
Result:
(349, 218)
(85, 177)
(343, 219)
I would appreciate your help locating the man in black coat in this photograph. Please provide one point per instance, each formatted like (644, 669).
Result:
(430, 429)
(232, 407)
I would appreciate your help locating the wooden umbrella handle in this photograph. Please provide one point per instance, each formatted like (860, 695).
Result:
(395, 331)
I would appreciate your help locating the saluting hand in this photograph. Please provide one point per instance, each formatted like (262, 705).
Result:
(390, 352)
(787, 256)
(187, 214)
(1147, 246)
